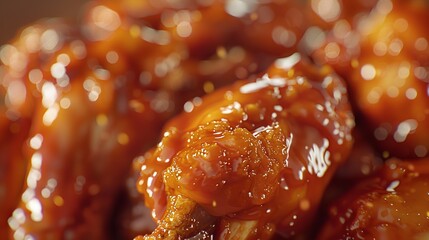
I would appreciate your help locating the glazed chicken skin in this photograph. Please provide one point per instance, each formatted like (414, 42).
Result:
(363, 161)
(390, 205)
(13, 163)
(85, 93)
(83, 103)
(386, 70)
(16, 110)
(80, 133)
(221, 47)
(252, 159)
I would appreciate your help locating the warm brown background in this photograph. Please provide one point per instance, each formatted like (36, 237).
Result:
(14, 14)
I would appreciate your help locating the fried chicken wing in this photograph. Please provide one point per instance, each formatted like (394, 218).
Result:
(386, 70)
(81, 105)
(19, 74)
(95, 99)
(81, 133)
(252, 159)
(390, 205)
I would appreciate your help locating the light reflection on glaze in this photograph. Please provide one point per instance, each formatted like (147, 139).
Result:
(328, 10)
(319, 159)
(263, 82)
(288, 62)
(239, 8)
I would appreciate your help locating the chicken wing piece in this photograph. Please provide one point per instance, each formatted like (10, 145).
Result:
(191, 48)
(252, 159)
(390, 205)
(80, 144)
(387, 69)
(19, 74)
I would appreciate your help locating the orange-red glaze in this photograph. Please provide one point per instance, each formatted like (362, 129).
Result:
(384, 59)
(363, 161)
(95, 99)
(77, 107)
(80, 145)
(259, 150)
(390, 205)
(19, 61)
